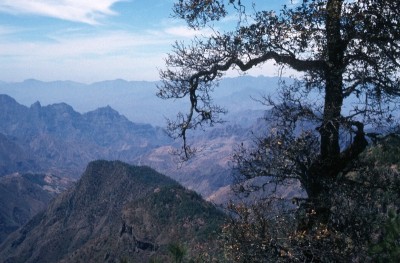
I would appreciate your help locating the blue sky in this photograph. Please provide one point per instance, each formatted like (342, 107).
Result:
(91, 40)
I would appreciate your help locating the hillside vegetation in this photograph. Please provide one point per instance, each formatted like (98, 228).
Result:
(363, 225)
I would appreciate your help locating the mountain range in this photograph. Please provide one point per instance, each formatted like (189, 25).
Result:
(76, 185)
(55, 139)
(45, 148)
(60, 126)
(137, 99)
(59, 140)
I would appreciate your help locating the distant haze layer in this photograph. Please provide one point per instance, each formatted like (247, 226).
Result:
(137, 100)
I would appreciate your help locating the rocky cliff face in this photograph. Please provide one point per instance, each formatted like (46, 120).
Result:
(115, 211)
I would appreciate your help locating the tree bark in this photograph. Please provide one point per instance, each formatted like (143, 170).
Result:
(329, 130)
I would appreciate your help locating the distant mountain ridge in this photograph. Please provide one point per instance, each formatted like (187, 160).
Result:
(137, 99)
(63, 141)
(115, 211)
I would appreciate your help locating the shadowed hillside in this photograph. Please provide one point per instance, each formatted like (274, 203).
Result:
(115, 211)
(22, 196)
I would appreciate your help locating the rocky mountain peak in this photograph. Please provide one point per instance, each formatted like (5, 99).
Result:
(106, 112)
(36, 106)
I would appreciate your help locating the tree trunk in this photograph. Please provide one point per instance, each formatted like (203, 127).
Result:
(329, 130)
(323, 171)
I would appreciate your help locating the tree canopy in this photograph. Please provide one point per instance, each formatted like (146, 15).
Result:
(343, 49)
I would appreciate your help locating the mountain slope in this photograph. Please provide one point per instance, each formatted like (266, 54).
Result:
(22, 196)
(14, 157)
(114, 212)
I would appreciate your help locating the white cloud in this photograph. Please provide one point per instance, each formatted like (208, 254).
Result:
(5, 31)
(84, 11)
(67, 46)
(85, 57)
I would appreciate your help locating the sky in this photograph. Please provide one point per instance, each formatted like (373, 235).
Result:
(93, 40)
